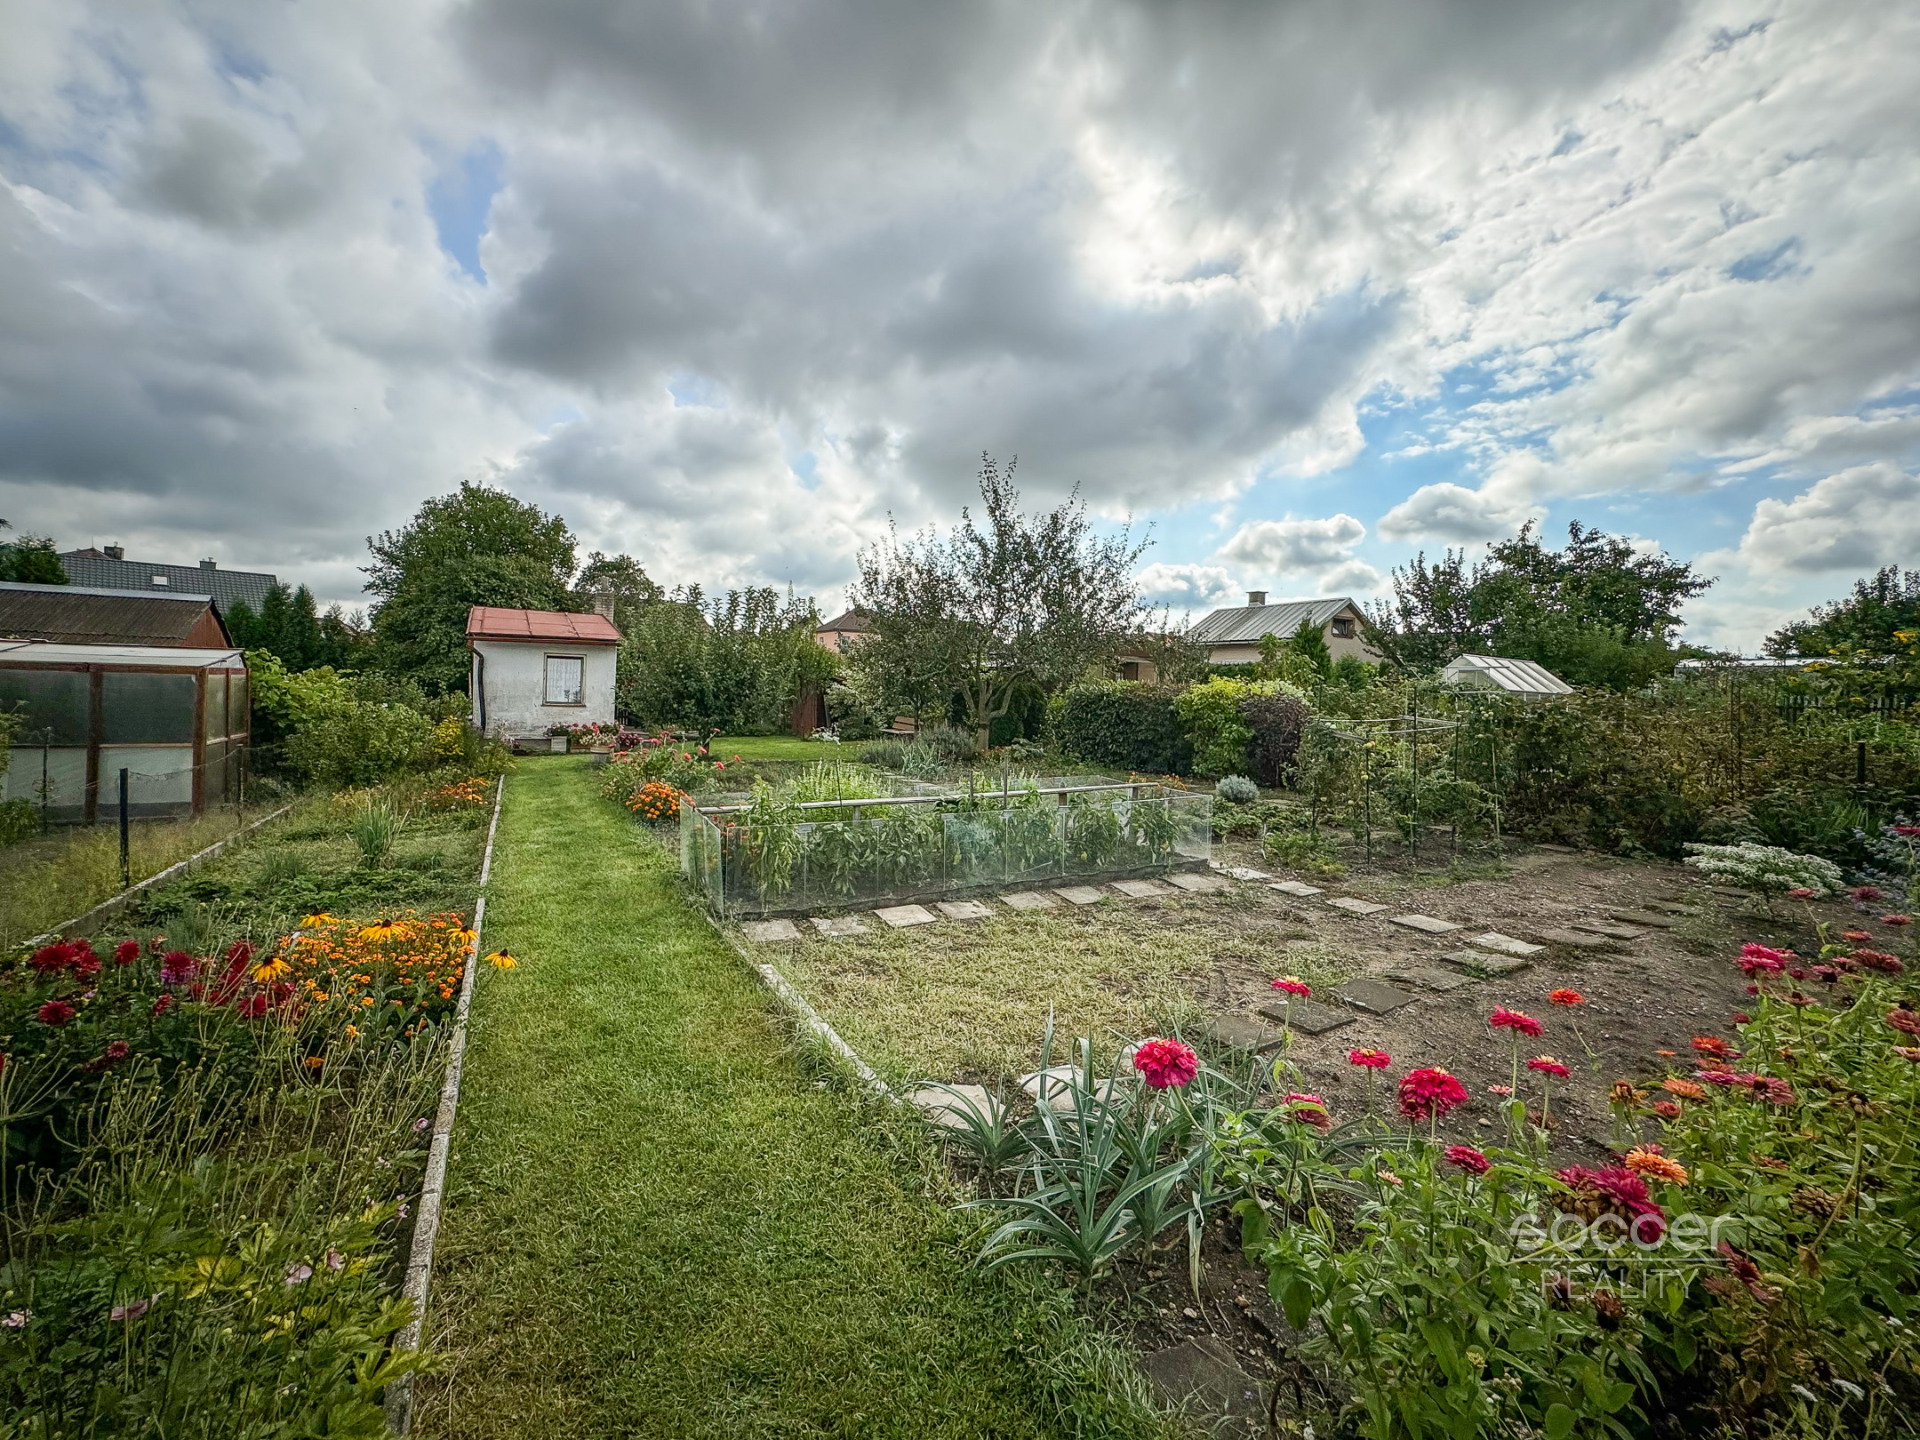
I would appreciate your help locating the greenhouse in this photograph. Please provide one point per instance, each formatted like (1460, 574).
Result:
(762, 855)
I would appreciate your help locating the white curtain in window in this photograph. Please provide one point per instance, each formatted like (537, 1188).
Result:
(565, 680)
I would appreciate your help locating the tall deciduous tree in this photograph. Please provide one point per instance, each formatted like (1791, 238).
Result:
(1037, 598)
(477, 546)
(1871, 620)
(30, 560)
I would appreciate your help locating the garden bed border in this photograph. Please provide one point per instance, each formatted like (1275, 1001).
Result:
(108, 907)
(426, 1226)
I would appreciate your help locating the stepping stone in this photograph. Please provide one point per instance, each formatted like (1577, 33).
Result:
(963, 909)
(1504, 944)
(1309, 1017)
(1574, 939)
(1141, 889)
(1241, 872)
(1296, 887)
(1238, 1032)
(1557, 849)
(1642, 917)
(1356, 907)
(1200, 1378)
(1612, 932)
(1483, 965)
(1198, 884)
(1732, 892)
(1081, 894)
(1428, 978)
(840, 924)
(1029, 900)
(1053, 1087)
(901, 916)
(1373, 997)
(944, 1107)
(1425, 924)
(766, 932)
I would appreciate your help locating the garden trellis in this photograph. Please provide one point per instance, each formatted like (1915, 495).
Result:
(759, 855)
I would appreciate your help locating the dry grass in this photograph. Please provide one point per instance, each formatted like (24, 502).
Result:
(50, 879)
(970, 999)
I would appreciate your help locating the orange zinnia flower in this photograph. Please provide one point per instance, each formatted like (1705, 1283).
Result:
(1685, 1089)
(1647, 1160)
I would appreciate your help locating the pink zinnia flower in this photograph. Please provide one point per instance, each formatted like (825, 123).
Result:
(1505, 1091)
(1166, 1064)
(1866, 893)
(1369, 1059)
(1547, 1065)
(1293, 986)
(1855, 936)
(1505, 1019)
(1896, 920)
(1430, 1093)
(1468, 1159)
(1309, 1110)
(1801, 892)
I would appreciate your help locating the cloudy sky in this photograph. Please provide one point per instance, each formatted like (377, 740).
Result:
(1308, 286)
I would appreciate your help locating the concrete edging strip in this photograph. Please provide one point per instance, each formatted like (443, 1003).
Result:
(107, 907)
(426, 1227)
(809, 1017)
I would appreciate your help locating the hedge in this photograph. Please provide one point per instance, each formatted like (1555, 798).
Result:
(1126, 724)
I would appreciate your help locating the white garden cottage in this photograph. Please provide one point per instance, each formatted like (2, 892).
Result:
(534, 669)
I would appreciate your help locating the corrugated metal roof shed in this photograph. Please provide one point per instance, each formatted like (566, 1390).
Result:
(1497, 672)
(83, 615)
(492, 622)
(1245, 624)
(99, 570)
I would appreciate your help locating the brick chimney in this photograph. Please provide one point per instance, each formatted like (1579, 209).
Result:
(1256, 597)
(603, 603)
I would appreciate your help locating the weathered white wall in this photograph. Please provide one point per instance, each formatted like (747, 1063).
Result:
(514, 681)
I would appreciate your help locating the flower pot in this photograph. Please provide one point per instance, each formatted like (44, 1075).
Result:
(601, 755)
(557, 744)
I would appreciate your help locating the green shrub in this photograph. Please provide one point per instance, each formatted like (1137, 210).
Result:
(1303, 850)
(358, 742)
(1221, 728)
(903, 757)
(1124, 724)
(1766, 868)
(18, 820)
(1277, 723)
(1237, 790)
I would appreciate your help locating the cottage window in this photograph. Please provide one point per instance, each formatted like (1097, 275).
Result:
(566, 680)
(1343, 627)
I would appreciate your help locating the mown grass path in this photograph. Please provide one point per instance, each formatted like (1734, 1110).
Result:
(661, 1225)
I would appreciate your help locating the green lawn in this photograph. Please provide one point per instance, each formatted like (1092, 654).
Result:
(663, 1223)
(777, 747)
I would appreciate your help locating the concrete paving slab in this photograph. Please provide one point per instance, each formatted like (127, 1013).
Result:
(1029, 900)
(768, 932)
(1373, 996)
(1238, 1032)
(1611, 931)
(1309, 1017)
(1196, 883)
(1356, 907)
(1053, 1087)
(1484, 964)
(944, 1105)
(964, 909)
(1504, 944)
(1429, 977)
(1200, 1378)
(1081, 894)
(1574, 939)
(1142, 889)
(1642, 917)
(838, 925)
(1241, 872)
(1296, 887)
(901, 916)
(1425, 924)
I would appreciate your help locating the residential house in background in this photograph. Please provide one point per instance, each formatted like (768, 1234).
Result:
(1232, 636)
(844, 631)
(534, 669)
(104, 680)
(109, 569)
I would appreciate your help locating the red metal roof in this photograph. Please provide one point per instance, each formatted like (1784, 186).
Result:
(492, 622)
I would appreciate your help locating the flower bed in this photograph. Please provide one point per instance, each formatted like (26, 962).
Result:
(211, 1143)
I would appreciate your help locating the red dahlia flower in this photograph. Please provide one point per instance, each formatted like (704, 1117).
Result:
(56, 1013)
(1505, 1019)
(126, 952)
(1430, 1093)
(1166, 1064)
(1468, 1159)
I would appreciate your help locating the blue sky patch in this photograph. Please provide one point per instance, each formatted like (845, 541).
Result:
(460, 199)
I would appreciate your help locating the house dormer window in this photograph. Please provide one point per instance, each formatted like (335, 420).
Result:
(565, 680)
(1343, 627)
